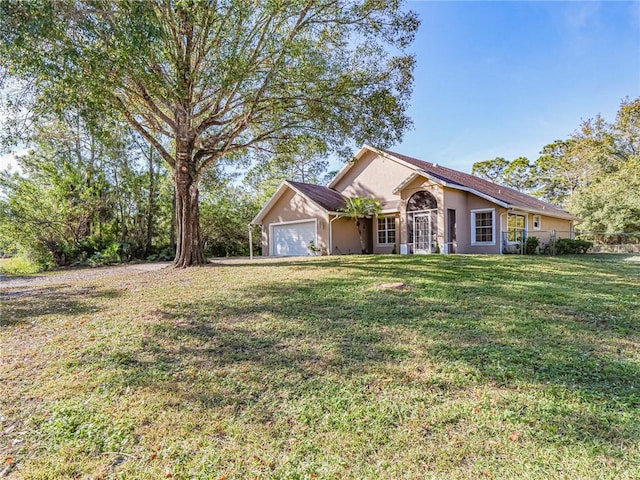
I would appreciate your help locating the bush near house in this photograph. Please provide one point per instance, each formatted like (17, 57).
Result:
(572, 246)
(531, 245)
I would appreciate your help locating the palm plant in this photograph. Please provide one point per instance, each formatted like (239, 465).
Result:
(358, 208)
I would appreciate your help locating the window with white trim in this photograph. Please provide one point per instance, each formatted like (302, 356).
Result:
(516, 225)
(536, 222)
(386, 230)
(482, 223)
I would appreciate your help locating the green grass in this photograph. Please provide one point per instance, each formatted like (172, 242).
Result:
(18, 265)
(484, 367)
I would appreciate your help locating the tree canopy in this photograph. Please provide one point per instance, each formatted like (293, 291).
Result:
(593, 172)
(217, 77)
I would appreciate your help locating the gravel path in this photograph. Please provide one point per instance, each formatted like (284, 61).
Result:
(77, 274)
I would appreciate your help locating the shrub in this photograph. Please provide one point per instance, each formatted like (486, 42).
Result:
(19, 265)
(570, 246)
(531, 245)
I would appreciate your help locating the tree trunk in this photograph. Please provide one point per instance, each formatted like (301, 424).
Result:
(172, 232)
(188, 248)
(364, 247)
(150, 205)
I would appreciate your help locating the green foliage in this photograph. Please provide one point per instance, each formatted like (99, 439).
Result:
(612, 202)
(557, 171)
(531, 245)
(301, 161)
(83, 197)
(18, 265)
(217, 79)
(358, 208)
(568, 246)
(225, 213)
(517, 174)
(491, 170)
(579, 172)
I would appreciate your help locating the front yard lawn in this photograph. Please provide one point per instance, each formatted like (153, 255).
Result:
(497, 367)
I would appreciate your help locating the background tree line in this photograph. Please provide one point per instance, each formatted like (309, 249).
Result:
(83, 195)
(595, 173)
(96, 195)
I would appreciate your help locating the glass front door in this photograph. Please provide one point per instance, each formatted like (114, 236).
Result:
(422, 233)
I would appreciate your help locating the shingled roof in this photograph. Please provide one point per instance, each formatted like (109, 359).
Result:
(512, 198)
(327, 198)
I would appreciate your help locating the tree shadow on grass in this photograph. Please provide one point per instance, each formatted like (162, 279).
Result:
(290, 335)
(24, 305)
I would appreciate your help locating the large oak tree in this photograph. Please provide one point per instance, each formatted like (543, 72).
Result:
(218, 77)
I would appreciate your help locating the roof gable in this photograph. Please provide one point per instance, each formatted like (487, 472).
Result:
(324, 197)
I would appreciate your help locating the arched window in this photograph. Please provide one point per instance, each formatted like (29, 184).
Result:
(421, 201)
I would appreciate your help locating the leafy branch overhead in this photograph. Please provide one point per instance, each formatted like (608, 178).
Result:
(219, 77)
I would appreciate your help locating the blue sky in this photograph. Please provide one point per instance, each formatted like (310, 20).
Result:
(506, 78)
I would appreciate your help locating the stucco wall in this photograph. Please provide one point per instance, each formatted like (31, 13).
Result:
(562, 228)
(345, 237)
(457, 200)
(475, 203)
(291, 207)
(373, 176)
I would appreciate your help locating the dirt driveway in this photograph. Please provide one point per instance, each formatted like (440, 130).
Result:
(78, 274)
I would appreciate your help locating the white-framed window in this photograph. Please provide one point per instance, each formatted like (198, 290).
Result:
(483, 226)
(516, 226)
(537, 222)
(386, 230)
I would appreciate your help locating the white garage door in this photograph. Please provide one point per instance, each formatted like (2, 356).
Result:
(293, 238)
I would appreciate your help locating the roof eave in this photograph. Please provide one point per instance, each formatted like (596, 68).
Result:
(547, 213)
(349, 164)
(257, 220)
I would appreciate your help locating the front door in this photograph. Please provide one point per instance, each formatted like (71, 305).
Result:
(422, 233)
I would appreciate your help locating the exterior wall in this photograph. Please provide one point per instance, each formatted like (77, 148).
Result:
(462, 203)
(373, 176)
(477, 203)
(386, 248)
(291, 207)
(345, 237)
(547, 224)
(563, 228)
(457, 200)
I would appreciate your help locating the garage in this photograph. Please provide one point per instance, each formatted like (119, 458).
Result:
(293, 238)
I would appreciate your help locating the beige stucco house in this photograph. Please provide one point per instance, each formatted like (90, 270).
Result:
(426, 208)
